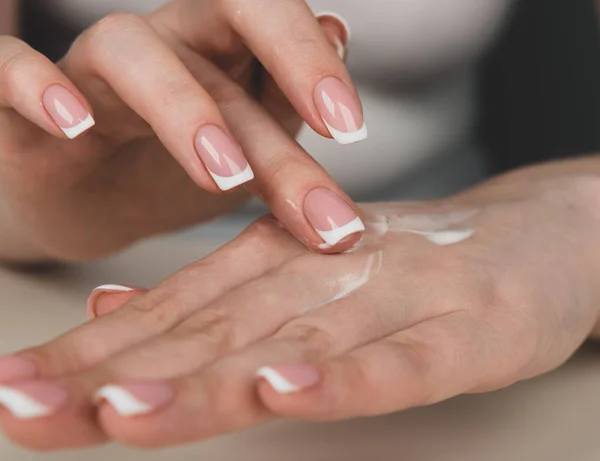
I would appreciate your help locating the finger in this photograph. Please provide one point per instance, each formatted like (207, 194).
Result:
(252, 312)
(34, 87)
(126, 52)
(337, 30)
(108, 298)
(224, 392)
(55, 409)
(302, 196)
(288, 40)
(421, 366)
(168, 304)
(271, 96)
(248, 313)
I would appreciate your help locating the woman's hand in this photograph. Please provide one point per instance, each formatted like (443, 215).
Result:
(181, 81)
(463, 295)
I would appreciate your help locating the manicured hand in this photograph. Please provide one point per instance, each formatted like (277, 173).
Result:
(176, 108)
(463, 295)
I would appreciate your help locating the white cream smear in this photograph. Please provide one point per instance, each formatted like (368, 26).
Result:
(437, 228)
(350, 283)
(347, 273)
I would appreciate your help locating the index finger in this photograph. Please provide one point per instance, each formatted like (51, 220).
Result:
(290, 43)
(298, 191)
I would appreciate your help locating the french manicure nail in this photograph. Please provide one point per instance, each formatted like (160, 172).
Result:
(92, 302)
(340, 43)
(66, 110)
(330, 216)
(32, 399)
(340, 19)
(15, 368)
(290, 378)
(340, 111)
(135, 399)
(222, 157)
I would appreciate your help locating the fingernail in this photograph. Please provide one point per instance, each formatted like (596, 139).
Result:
(290, 378)
(338, 17)
(94, 307)
(222, 157)
(66, 110)
(134, 399)
(339, 34)
(340, 111)
(33, 399)
(330, 216)
(15, 368)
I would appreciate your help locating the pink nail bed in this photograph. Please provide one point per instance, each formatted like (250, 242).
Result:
(102, 290)
(223, 158)
(290, 378)
(330, 216)
(32, 399)
(137, 398)
(66, 110)
(15, 368)
(340, 111)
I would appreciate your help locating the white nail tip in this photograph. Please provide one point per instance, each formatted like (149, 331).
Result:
(122, 401)
(334, 236)
(21, 405)
(348, 138)
(339, 18)
(277, 382)
(76, 130)
(112, 288)
(340, 49)
(226, 183)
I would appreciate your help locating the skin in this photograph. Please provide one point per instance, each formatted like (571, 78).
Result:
(513, 301)
(85, 198)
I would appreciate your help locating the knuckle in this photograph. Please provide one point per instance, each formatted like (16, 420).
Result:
(117, 21)
(214, 330)
(362, 371)
(283, 165)
(156, 308)
(315, 341)
(263, 230)
(13, 69)
(225, 94)
(431, 362)
(106, 33)
(176, 92)
(512, 305)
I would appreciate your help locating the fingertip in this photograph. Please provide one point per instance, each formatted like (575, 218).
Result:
(341, 110)
(291, 390)
(336, 19)
(333, 219)
(347, 245)
(337, 31)
(108, 298)
(67, 110)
